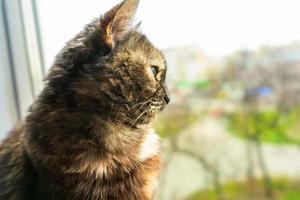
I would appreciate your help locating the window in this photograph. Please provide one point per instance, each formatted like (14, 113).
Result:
(21, 61)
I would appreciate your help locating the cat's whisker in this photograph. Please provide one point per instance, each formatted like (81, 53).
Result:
(149, 99)
(144, 102)
(134, 122)
(141, 107)
(118, 114)
(145, 120)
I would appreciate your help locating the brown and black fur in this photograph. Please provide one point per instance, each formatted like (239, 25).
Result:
(82, 137)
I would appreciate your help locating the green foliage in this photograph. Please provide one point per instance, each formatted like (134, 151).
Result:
(284, 189)
(291, 195)
(174, 120)
(199, 84)
(207, 195)
(265, 125)
(202, 84)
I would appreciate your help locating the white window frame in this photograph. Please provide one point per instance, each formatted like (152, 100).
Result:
(22, 57)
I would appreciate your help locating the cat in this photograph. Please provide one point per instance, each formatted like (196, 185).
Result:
(88, 135)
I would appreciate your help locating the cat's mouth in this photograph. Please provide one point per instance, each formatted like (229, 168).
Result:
(157, 106)
(148, 114)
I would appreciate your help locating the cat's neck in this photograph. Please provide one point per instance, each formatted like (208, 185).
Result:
(57, 123)
(78, 134)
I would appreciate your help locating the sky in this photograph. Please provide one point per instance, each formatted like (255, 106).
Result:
(218, 27)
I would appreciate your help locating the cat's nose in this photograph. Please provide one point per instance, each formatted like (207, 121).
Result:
(167, 99)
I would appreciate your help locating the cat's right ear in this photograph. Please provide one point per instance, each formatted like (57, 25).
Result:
(117, 22)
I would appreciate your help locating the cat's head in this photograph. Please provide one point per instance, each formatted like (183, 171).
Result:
(115, 71)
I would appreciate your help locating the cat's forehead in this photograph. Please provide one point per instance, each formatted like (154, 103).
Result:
(138, 48)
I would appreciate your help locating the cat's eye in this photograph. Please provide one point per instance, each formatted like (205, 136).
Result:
(154, 70)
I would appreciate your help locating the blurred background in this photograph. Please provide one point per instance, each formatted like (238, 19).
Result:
(232, 130)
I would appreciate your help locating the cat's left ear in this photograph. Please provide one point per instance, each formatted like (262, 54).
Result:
(117, 22)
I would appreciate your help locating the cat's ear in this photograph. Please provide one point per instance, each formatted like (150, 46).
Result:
(117, 22)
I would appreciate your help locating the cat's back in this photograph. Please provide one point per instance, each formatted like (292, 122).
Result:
(16, 171)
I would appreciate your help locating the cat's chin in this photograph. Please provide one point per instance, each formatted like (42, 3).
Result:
(145, 122)
(152, 116)
(144, 126)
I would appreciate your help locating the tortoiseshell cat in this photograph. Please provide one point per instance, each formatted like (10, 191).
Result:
(88, 135)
